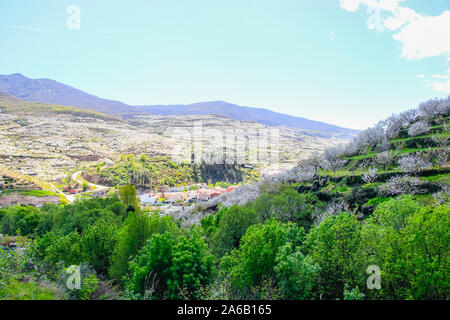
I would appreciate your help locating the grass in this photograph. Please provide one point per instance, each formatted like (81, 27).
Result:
(30, 193)
(443, 178)
(16, 290)
(377, 200)
(446, 134)
(361, 156)
(337, 188)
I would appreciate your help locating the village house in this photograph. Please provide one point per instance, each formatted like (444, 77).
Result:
(148, 199)
(174, 197)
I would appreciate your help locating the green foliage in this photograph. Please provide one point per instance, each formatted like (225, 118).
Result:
(353, 294)
(31, 290)
(295, 272)
(151, 173)
(133, 235)
(377, 200)
(15, 264)
(128, 197)
(410, 244)
(29, 193)
(254, 261)
(89, 285)
(288, 206)
(169, 266)
(231, 225)
(191, 268)
(335, 246)
(150, 270)
(18, 220)
(98, 243)
(66, 249)
(81, 214)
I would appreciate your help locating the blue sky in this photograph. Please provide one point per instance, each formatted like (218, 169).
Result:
(323, 59)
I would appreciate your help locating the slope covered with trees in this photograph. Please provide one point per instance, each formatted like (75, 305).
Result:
(323, 230)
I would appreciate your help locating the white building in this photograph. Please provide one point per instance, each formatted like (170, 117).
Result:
(147, 199)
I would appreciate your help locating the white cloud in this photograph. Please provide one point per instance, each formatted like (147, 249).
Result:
(400, 17)
(350, 5)
(425, 37)
(440, 76)
(442, 86)
(421, 36)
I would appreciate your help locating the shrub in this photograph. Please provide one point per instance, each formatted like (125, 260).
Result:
(408, 243)
(231, 226)
(413, 164)
(402, 185)
(331, 159)
(255, 260)
(335, 245)
(418, 128)
(370, 175)
(384, 159)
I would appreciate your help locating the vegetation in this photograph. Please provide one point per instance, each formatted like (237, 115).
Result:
(151, 173)
(318, 231)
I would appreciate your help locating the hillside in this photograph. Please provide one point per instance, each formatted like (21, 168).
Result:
(263, 116)
(12, 105)
(404, 154)
(52, 140)
(364, 221)
(53, 92)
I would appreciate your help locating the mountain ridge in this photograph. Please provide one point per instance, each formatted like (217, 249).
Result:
(244, 113)
(51, 91)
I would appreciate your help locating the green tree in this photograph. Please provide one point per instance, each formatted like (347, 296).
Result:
(66, 249)
(150, 270)
(191, 268)
(334, 245)
(133, 235)
(98, 243)
(409, 243)
(254, 261)
(295, 272)
(128, 196)
(231, 226)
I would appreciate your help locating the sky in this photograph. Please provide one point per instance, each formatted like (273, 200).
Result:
(345, 62)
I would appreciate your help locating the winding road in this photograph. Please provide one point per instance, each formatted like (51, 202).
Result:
(70, 197)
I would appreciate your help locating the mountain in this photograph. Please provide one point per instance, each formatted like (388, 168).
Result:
(263, 116)
(50, 91)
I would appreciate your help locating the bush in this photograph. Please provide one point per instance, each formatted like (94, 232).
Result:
(255, 259)
(335, 246)
(133, 235)
(232, 224)
(98, 243)
(407, 242)
(402, 185)
(418, 128)
(413, 164)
